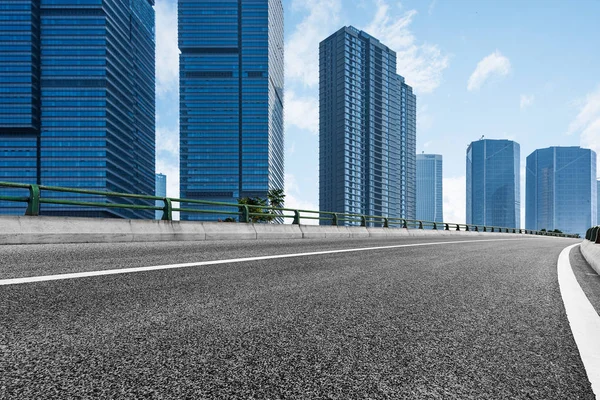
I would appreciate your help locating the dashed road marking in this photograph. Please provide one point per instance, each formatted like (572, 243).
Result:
(32, 279)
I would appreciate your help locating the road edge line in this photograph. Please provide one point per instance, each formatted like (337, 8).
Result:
(583, 319)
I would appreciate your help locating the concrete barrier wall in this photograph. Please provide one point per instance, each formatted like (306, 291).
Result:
(52, 230)
(591, 253)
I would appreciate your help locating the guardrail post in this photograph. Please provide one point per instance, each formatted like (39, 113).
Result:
(334, 221)
(484, 228)
(446, 227)
(476, 228)
(245, 214)
(33, 204)
(404, 224)
(457, 227)
(363, 220)
(420, 224)
(296, 220)
(467, 226)
(167, 210)
(597, 241)
(434, 226)
(386, 223)
(492, 229)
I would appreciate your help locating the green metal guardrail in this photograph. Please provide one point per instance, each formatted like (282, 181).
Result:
(593, 234)
(243, 211)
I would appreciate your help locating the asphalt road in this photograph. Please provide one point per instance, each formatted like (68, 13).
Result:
(478, 320)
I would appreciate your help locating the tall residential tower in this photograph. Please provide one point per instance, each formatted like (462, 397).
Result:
(231, 100)
(77, 99)
(367, 129)
(429, 188)
(561, 190)
(493, 183)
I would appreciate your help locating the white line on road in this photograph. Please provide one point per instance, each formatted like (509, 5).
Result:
(584, 320)
(15, 281)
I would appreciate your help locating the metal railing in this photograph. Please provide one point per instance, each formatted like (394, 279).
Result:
(593, 234)
(245, 212)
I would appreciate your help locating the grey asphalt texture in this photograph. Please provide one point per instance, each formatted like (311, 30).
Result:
(478, 320)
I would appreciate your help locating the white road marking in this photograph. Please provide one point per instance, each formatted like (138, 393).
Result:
(15, 281)
(583, 318)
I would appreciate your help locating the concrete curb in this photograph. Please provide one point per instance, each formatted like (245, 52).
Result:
(56, 230)
(591, 253)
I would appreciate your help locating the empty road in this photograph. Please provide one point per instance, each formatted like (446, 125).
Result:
(411, 318)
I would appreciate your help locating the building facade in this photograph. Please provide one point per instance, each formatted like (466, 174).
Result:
(561, 189)
(430, 199)
(231, 101)
(598, 200)
(77, 90)
(160, 190)
(493, 183)
(367, 129)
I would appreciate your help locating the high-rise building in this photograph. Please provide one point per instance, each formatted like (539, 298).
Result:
(367, 129)
(429, 188)
(493, 183)
(77, 96)
(561, 191)
(598, 201)
(231, 100)
(160, 190)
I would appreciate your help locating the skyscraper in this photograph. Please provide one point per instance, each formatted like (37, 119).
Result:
(160, 190)
(598, 201)
(493, 183)
(231, 100)
(77, 96)
(429, 188)
(561, 189)
(367, 129)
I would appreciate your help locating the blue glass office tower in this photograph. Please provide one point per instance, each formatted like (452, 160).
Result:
(430, 198)
(367, 129)
(160, 190)
(493, 183)
(561, 190)
(231, 100)
(84, 70)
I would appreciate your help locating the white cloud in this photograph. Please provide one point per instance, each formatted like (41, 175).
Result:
(294, 199)
(587, 122)
(455, 199)
(424, 118)
(494, 64)
(167, 140)
(420, 64)
(302, 49)
(526, 100)
(302, 112)
(431, 7)
(167, 51)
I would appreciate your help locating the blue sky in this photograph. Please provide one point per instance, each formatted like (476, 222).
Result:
(528, 71)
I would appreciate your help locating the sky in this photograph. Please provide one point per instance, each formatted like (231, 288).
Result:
(527, 71)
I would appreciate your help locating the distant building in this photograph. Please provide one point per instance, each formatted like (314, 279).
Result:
(429, 188)
(231, 101)
(561, 189)
(77, 100)
(161, 190)
(367, 129)
(493, 183)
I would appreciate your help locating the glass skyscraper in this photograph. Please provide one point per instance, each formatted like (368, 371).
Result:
(77, 94)
(598, 201)
(430, 198)
(160, 190)
(493, 183)
(561, 190)
(367, 129)
(231, 100)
